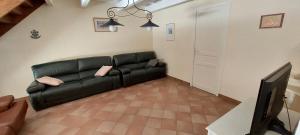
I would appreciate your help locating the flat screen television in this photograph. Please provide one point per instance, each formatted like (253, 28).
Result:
(270, 102)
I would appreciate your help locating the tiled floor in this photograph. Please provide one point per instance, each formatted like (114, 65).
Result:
(160, 107)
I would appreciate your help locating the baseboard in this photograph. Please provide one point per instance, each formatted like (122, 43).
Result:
(184, 82)
(21, 98)
(228, 99)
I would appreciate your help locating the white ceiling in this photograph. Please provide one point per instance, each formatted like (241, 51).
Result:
(152, 5)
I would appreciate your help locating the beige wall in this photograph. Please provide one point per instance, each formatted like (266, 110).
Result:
(251, 53)
(178, 53)
(67, 32)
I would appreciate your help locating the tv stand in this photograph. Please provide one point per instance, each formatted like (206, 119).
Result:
(277, 126)
(238, 121)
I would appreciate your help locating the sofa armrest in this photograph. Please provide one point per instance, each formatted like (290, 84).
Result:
(35, 87)
(6, 102)
(113, 72)
(161, 64)
(6, 130)
(15, 115)
(125, 70)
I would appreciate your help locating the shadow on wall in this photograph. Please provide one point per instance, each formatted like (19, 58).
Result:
(294, 57)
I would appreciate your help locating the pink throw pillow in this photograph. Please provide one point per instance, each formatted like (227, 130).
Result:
(103, 71)
(50, 81)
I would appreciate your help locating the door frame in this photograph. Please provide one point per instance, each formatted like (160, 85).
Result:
(222, 55)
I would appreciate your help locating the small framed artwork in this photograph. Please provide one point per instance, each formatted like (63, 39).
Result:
(271, 21)
(170, 32)
(98, 22)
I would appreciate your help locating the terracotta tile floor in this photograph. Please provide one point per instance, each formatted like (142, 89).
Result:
(161, 107)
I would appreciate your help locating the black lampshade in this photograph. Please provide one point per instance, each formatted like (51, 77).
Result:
(150, 24)
(112, 22)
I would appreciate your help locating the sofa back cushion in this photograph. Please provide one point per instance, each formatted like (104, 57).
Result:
(6, 102)
(124, 59)
(145, 56)
(87, 74)
(68, 77)
(135, 66)
(89, 66)
(93, 63)
(53, 69)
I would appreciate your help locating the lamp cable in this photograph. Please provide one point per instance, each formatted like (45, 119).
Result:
(287, 110)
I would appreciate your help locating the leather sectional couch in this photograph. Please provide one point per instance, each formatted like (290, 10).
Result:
(78, 77)
(133, 67)
(12, 115)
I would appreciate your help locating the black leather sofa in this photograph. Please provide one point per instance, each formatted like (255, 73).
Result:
(78, 77)
(134, 70)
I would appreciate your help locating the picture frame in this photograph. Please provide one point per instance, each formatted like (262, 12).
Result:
(271, 21)
(98, 22)
(170, 32)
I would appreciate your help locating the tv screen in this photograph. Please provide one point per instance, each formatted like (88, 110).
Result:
(270, 102)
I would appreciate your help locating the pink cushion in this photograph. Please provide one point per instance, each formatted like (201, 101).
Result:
(50, 81)
(103, 70)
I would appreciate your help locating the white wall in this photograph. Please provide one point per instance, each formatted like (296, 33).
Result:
(251, 53)
(67, 32)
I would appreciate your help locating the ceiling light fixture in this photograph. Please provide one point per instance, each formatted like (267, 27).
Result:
(112, 13)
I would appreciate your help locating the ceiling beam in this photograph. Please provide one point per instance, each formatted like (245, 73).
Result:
(123, 3)
(49, 2)
(6, 19)
(17, 11)
(84, 3)
(28, 3)
(163, 4)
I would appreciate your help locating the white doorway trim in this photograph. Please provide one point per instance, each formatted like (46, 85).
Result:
(223, 56)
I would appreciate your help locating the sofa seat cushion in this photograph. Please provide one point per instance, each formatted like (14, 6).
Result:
(14, 117)
(5, 102)
(138, 76)
(155, 70)
(65, 90)
(97, 84)
(6, 131)
(87, 74)
(135, 66)
(68, 77)
(139, 72)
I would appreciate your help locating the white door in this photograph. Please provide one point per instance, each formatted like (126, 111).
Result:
(211, 38)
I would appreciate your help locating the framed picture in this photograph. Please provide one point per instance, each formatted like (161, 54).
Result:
(170, 32)
(98, 22)
(271, 21)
